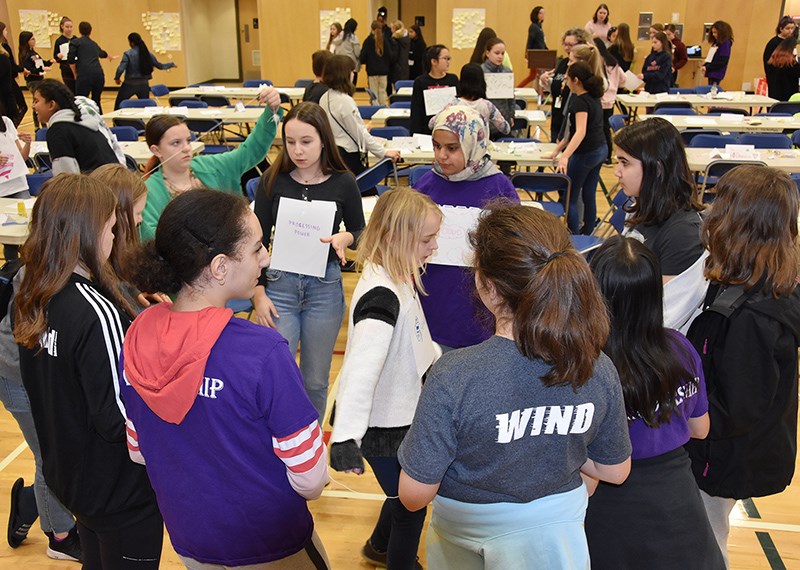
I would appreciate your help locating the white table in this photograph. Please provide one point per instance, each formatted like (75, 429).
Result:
(535, 118)
(528, 94)
(786, 160)
(14, 233)
(249, 95)
(227, 115)
(527, 155)
(738, 124)
(739, 100)
(138, 151)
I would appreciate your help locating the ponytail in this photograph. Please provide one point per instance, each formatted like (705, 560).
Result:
(594, 85)
(145, 59)
(377, 27)
(591, 82)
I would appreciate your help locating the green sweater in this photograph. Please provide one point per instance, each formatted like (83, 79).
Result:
(217, 171)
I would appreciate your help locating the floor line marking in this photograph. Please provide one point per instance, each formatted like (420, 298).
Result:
(353, 495)
(13, 455)
(760, 525)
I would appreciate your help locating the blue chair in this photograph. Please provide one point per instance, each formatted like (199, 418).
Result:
(396, 98)
(399, 122)
(389, 132)
(35, 181)
(373, 97)
(785, 107)
(712, 141)
(616, 122)
(766, 140)
(366, 111)
(682, 91)
(42, 162)
(674, 111)
(132, 165)
(303, 83)
(417, 172)
(585, 244)
(795, 138)
(137, 103)
(400, 105)
(689, 134)
(210, 128)
(250, 188)
(192, 104)
(256, 83)
(716, 111)
(706, 89)
(215, 101)
(400, 83)
(137, 124)
(541, 183)
(375, 174)
(773, 115)
(159, 90)
(796, 177)
(125, 133)
(672, 105)
(615, 217)
(520, 104)
(41, 134)
(517, 140)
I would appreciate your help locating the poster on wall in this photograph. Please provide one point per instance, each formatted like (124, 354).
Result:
(327, 18)
(467, 24)
(165, 30)
(38, 23)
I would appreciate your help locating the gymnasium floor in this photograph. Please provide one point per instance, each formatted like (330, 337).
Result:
(765, 533)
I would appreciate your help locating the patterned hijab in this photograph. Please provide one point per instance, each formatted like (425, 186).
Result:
(473, 134)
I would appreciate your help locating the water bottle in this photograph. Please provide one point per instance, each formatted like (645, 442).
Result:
(714, 90)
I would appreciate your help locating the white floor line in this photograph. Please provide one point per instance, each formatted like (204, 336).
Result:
(353, 495)
(760, 525)
(13, 455)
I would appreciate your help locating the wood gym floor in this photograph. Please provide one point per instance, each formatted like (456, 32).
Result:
(765, 532)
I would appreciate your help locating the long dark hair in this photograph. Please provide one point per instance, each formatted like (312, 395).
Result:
(547, 288)
(650, 364)
(667, 184)
(535, 15)
(591, 82)
(24, 46)
(52, 90)
(145, 60)
(330, 160)
(608, 13)
(480, 45)
(418, 31)
(472, 83)
(350, 28)
(608, 59)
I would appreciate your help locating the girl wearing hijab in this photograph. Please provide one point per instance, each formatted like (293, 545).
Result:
(462, 175)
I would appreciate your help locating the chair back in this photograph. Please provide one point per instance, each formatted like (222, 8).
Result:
(706, 89)
(303, 83)
(520, 104)
(404, 122)
(728, 111)
(250, 188)
(375, 174)
(672, 105)
(682, 91)
(42, 162)
(400, 105)
(616, 122)
(41, 134)
(131, 164)
(257, 83)
(689, 134)
(712, 141)
(541, 183)
(366, 111)
(191, 103)
(215, 100)
(795, 137)
(36, 180)
(159, 90)
(717, 168)
(396, 98)
(785, 107)
(400, 83)
(137, 124)
(137, 103)
(674, 111)
(417, 172)
(766, 140)
(125, 133)
(389, 132)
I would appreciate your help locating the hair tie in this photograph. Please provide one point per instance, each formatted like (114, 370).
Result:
(555, 255)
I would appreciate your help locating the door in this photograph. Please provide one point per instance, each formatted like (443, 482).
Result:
(249, 45)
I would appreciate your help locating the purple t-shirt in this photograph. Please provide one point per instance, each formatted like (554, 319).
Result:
(455, 315)
(221, 489)
(692, 403)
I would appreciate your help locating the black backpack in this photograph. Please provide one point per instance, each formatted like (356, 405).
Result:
(7, 274)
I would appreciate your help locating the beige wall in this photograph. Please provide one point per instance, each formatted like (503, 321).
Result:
(210, 38)
(111, 22)
(412, 8)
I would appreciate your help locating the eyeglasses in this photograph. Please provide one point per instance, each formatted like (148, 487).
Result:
(569, 45)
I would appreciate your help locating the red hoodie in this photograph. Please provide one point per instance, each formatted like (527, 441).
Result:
(166, 353)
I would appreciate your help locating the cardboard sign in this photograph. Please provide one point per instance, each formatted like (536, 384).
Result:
(298, 228)
(454, 248)
(499, 85)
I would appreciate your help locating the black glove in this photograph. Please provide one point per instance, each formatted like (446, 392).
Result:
(346, 456)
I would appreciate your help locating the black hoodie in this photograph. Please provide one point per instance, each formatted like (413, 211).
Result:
(752, 395)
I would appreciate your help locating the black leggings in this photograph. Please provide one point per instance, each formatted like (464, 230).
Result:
(607, 130)
(134, 547)
(128, 90)
(91, 85)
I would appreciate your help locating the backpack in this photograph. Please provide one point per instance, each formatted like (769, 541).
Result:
(8, 271)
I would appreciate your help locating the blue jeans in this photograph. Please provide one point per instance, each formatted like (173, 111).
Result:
(311, 311)
(398, 530)
(53, 516)
(584, 172)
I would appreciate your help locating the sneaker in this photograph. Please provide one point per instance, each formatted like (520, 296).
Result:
(67, 549)
(17, 526)
(371, 555)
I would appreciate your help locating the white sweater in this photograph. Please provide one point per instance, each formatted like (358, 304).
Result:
(379, 385)
(343, 114)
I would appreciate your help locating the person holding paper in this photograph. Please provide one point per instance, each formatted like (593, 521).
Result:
(308, 309)
(137, 64)
(389, 351)
(173, 169)
(657, 67)
(486, 444)
(463, 175)
(472, 93)
(61, 52)
(14, 151)
(437, 62)
(493, 63)
(721, 39)
(583, 145)
(215, 405)
(352, 137)
(33, 64)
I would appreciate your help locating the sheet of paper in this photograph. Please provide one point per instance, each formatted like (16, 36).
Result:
(424, 142)
(422, 343)
(298, 229)
(632, 82)
(437, 99)
(499, 85)
(63, 49)
(741, 151)
(731, 117)
(402, 143)
(711, 53)
(14, 167)
(454, 248)
(700, 122)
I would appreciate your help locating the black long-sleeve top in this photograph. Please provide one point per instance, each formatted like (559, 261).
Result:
(85, 54)
(535, 37)
(378, 64)
(419, 118)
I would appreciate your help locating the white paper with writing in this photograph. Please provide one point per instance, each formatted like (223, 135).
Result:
(14, 167)
(63, 49)
(632, 82)
(499, 85)
(437, 99)
(298, 229)
(454, 248)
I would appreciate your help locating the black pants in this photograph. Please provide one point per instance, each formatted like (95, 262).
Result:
(353, 161)
(90, 85)
(68, 79)
(128, 90)
(134, 547)
(607, 130)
